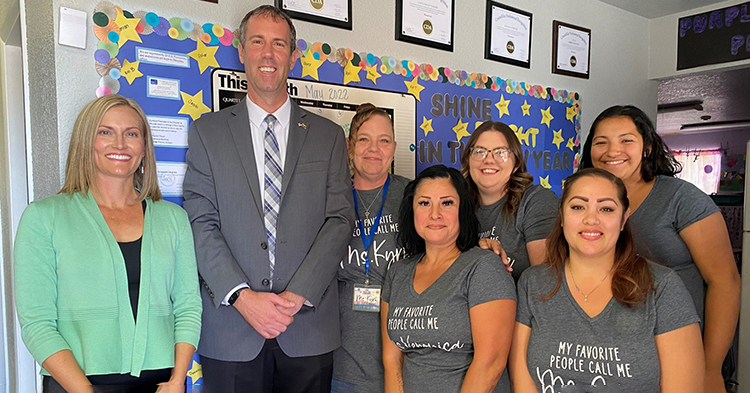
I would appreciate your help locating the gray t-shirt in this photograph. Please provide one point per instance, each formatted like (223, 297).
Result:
(671, 206)
(534, 221)
(359, 361)
(433, 328)
(614, 351)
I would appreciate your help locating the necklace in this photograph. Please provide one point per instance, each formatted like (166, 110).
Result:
(585, 296)
(367, 209)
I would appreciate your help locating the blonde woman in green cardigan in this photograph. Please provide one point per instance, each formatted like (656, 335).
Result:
(106, 285)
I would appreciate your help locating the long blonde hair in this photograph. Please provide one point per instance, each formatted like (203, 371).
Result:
(80, 168)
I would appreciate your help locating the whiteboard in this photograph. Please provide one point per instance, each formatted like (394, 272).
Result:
(337, 103)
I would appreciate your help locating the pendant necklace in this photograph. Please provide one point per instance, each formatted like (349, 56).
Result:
(585, 296)
(367, 209)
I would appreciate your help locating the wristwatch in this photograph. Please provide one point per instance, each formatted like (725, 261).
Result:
(234, 296)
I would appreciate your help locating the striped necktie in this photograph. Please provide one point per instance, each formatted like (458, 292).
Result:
(272, 188)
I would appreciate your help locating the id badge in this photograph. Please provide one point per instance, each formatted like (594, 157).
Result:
(366, 298)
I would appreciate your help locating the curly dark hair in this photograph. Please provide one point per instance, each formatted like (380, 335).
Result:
(520, 180)
(468, 235)
(631, 277)
(658, 159)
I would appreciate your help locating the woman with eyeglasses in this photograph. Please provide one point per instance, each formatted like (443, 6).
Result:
(514, 215)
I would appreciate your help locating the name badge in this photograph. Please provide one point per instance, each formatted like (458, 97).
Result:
(366, 298)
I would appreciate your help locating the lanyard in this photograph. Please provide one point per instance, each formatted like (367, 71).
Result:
(367, 240)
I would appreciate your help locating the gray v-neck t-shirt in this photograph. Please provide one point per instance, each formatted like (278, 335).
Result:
(358, 361)
(671, 206)
(614, 351)
(534, 220)
(433, 329)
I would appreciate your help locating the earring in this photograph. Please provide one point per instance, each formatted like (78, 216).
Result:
(142, 169)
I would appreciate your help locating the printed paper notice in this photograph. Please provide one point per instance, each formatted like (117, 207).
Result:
(162, 57)
(428, 19)
(171, 176)
(169, 131)
(163, 88)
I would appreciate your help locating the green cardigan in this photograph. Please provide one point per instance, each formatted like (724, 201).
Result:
(71, 286)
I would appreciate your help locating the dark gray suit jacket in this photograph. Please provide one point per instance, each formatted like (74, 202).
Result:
(225, 204)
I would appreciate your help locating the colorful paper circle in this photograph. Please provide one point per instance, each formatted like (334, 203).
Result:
(114, 73)
(101, 19)
(101, 56)
(113, 37)
(186, 24)
(102, 91)
(218, 31)
(152, 19)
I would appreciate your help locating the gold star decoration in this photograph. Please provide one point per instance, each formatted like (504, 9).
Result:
(570, 144)
(196, 371)
(546, 116)
(477, 124)
(130, 70)
(544, 182)
(351, 73)
(205, 56)
(310, 65)
(372, 73)
(426, 125)
(193, 105)
(570, 113)
(414, 88)
(557, 139)
(525, 108)
(502, 106)
(127, 29)
(461, 130)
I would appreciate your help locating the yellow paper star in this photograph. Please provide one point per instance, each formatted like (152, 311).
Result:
(130, 70)
(544, 182)
(460, 130)
(570, 113)
(525, 107)
(557, 139)
(193, 105)
(351, 73)
(127, 29)
(205, 56)
(426, 125)
(546, 116)
(310, 65)
(196, 371)
(372, 73)
(502, 106)
(414, 88)
(477, 124)
(570, 144)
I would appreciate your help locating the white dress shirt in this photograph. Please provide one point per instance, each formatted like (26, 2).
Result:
(257, 120)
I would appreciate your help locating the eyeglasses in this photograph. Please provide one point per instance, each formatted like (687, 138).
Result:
(480, 153)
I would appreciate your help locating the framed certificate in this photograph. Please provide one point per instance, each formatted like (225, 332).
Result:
(426, 22)
(571, 50)
(336, 13)
(507, 36)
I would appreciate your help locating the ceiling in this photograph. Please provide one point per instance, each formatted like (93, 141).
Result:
(657, 8)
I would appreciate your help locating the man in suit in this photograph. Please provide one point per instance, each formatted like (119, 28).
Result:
(268, 193)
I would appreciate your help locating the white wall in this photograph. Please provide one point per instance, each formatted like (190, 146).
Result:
(663, 45)
(619, 60)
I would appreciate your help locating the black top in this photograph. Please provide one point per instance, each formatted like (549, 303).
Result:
(131, 252)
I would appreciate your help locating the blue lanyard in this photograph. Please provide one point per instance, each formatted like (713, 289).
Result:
(367, 240)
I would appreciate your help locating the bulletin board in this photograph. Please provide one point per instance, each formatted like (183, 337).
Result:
(168, 63)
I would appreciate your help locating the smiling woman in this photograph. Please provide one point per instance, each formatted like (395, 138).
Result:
(596, 292)
(448, 308)
(82, 255)
(514, 215)
(674, 223)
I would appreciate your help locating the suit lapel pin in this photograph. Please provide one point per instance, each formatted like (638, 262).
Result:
(303, 125)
